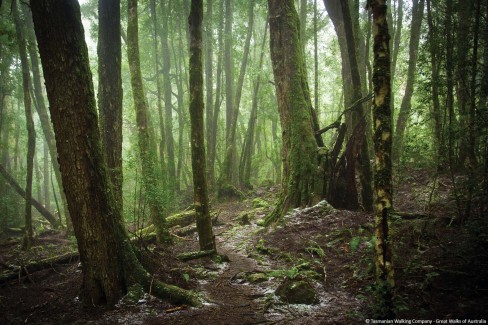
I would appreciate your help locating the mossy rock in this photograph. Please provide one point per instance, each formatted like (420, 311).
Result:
(260, 203)
(296, 292)
(257, 277)
(227, 191)
(244, 218)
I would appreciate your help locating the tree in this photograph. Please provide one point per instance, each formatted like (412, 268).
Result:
(110, 90)
(204, 222)
(109, 262)
(382, 146)
(299, 143)
(417, 15)
(31, 132)
(144, 132)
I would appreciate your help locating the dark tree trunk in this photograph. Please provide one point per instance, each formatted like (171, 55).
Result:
(299, 143)
(382, 146)
(31, 132)
(145, 136)
(109, 262)
(204, 222)
(42, 112)
(110, 90)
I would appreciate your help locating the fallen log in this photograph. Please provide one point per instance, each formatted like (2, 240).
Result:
(23, 270)
(17, 188)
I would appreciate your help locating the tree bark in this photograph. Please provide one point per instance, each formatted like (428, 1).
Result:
(382, 146)
(109, 263)
(110, 90)
(204, 223)
(299, 142)
(145, 136)
(42, 112)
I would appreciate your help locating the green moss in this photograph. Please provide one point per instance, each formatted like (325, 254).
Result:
(260, 203)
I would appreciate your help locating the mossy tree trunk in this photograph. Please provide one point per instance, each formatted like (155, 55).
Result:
(110, 90)
(31, 132)
(145, 135)
(109, 263)
(298, 136)
(382, 146)
(204, 222)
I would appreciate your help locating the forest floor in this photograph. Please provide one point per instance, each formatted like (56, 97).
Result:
(441, 267)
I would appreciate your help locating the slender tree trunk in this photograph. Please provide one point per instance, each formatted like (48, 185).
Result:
(110, 265)
(31, 132)
(299, 143)
(461, 75)
(110, 90)
(383, 166)
(162, 134)
(247, 148)
(145, 136)
(228, 172)
(204, 222)
(218, 102)
(436, 109)
(47, 177)
(316, 59)
(168, 109)
(209, 114)
(417, 16)
(229, 70)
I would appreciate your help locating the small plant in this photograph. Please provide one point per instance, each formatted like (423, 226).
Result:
(315, 249)
(186, 276)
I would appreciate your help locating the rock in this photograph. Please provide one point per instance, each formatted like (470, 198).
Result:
(296, 292)
(134, 295)
(244, 218)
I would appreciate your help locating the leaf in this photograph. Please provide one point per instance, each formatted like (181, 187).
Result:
(186, 276)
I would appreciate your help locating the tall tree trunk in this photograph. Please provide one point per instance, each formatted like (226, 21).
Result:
(147, 147)
(436, 107)
(31, 132)
(316, 58)
(461, 75)
(212, 133)
(168, 109)
(162, 134)
(247, 148)
(204, 222)
(229, 70)
(382, 146)
(42, 112)
(47, 177)
(229, 168)
(110, 90)
(110, 265)
(417, 16)
(298, 136)
(209, 114)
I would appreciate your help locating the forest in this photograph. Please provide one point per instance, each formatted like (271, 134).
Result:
(243, 162)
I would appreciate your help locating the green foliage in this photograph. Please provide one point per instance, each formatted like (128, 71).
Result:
(354, 243)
